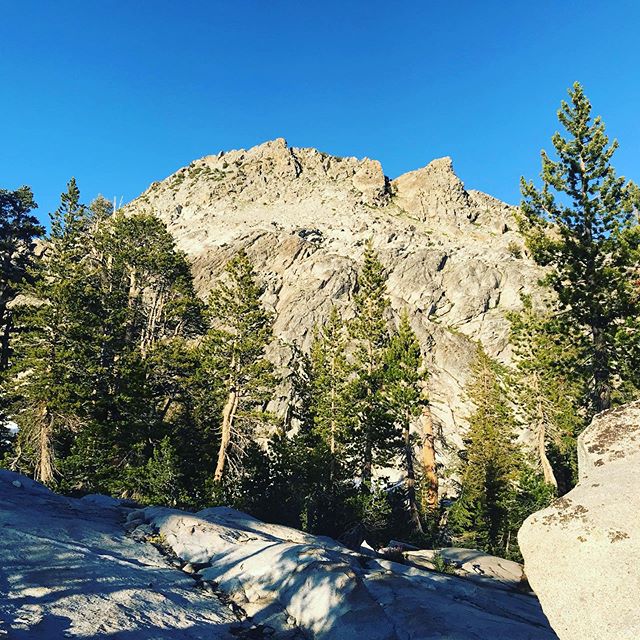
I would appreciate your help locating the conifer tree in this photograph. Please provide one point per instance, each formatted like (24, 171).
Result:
(234, 353)
(108, 292)
(48, 385)
(548, 391)
(332, 392)
(18, 229)
(146, 308)
(583, 224)
(371, 337)
(489, 469)
(403, 392)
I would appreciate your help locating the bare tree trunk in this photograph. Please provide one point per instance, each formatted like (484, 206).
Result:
(547, 469)
(430, 500)
(44, 469)
(228, 415)
(410, 482)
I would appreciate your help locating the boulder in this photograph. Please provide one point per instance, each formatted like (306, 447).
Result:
(474, 565)
(582, 554)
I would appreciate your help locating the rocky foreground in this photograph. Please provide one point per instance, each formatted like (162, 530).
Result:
(97, 568)
(582, 554)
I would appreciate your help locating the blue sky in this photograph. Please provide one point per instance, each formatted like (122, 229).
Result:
(121, 93)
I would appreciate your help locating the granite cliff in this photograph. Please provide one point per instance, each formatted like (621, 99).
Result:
(455, 258)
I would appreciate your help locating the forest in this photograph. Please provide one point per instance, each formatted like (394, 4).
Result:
(117, 378)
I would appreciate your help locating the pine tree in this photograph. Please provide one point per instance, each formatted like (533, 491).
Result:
(371, 337)
(403, 392)
(48, 386)
(489, 469)
(18, 229)
(146, 309)
(548, 392)
(234, 353)
(583, 224)
(109, 292)
(332, 393)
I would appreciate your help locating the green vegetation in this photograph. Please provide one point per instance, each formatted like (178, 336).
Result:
(583, 224)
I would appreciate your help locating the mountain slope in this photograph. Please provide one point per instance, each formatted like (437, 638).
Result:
(454, 256)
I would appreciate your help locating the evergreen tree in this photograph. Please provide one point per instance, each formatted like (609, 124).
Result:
(332, 394)
(18, 229)
(109, 291)
(583, 224)
(489, 470)
(371, 337)
(48, 386)
(403, 392)
(548, 392)
(146, 310)
(233, 351)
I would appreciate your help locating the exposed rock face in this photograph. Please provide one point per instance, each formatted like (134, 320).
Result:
(69, 570)
(304, 217)
(283, 577)
(582, 554)
(474, 565)
(88, 569)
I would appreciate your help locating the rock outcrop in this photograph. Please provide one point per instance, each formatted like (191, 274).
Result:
(582, 554)
(69, 570)
(454, 257)
(286, 579)
(98, 568)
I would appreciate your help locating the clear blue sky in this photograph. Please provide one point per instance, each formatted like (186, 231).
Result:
(120, 93)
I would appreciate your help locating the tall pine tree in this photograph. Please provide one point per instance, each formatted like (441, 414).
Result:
(489, 469)
(48, 384)
(331, 396)
(370, 334)
(18, 229)
(549, 393)
(404, 395)
(234, 352)
(582, 223)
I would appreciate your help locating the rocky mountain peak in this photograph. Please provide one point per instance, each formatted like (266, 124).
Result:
(454, 257)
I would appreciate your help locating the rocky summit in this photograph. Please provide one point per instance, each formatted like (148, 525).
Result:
(455, 258)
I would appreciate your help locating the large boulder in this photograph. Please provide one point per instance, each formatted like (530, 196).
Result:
(582, 554)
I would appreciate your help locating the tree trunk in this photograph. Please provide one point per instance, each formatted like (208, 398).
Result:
(5, 327)
(430, 500)
(410, 482)
(547, 469)
(44, 469)
(228, 415)
(601, 372)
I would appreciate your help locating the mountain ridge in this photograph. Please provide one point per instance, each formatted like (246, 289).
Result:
(454, 256)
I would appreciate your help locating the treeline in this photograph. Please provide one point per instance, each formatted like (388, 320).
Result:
(121, 380)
